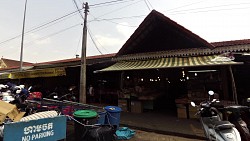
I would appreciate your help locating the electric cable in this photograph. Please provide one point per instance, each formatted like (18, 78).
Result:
(202, 11)
(92, 38)
(94, 42)
(119, 8)
(97, 40)
(212, 8)
(78, 9)
(118, 18)
(108, 2)
(78, 43)
(40, 26)
(112, 4)
(55, 33)
(111, 19)
(147, 5)
(186, 5)
(133, 16)
(150, 4)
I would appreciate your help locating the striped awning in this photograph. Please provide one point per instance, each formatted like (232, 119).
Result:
(172, 62)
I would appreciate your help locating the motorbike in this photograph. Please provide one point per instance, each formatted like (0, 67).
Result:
(237, 115)
(214, 127)
(70, 96)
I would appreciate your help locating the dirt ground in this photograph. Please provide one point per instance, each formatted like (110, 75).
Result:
(151, 136)
(139, 136)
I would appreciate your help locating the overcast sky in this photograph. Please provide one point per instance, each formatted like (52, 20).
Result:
(53, 29)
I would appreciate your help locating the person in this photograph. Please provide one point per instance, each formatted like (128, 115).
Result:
(91, 93)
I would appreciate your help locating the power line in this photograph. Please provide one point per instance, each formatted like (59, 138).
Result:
(78, 43)
(92, 38)
(150, 4)
(53, 34)
(184, 5)
(94, 41)
(78, 9)
(97, 40)
(38, 27)
(147, 5)
(97, 19)
(113, 3)
(211, 7)
(118, 18)
(122, 24)
(108, 2)
(176, 13)
(118, 9)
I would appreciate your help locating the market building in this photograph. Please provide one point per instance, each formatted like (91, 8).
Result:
(56, 76)
(162, 67)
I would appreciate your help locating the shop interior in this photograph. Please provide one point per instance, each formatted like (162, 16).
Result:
(170, 90)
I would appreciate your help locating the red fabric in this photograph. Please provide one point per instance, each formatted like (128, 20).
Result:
(35, 95)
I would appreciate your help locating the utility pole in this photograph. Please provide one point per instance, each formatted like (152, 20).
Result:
(82, 96)
(21, 54)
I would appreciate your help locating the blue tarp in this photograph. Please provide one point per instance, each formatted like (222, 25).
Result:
(124, 133)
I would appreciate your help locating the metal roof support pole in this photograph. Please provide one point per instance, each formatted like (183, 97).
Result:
(21, 54)
(233, 85)
(82, 95)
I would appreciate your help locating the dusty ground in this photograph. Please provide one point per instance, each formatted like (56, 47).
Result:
(139, 136)
(150, 136)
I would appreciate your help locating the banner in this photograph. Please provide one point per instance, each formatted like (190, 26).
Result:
(4, 75)
(50, 72)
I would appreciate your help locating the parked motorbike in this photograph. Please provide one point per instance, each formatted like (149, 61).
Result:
(70, 96)
(214, 127)
(237, 115)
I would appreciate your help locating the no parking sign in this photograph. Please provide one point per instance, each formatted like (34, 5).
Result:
(46, 129)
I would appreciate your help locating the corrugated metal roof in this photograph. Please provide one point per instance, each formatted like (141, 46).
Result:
(231, 43)
(172, 62)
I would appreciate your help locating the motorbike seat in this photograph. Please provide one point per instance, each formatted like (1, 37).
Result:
(221, 125)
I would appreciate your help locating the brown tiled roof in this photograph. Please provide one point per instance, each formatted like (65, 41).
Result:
(65, 61)
(231, 43)
(159, 33)
(14, 63)
(76, 59)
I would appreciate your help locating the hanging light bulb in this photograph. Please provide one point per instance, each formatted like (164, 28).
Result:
(183, 73)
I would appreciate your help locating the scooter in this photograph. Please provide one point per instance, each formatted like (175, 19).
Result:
(215, 129)
(237, 115)
(70, 96)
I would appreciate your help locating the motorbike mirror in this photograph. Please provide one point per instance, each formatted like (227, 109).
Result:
(248, 100)
(193, 104)
(29, 88)
(214, 100)
(211, 92)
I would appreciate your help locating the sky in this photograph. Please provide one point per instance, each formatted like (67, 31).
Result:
(53, 28)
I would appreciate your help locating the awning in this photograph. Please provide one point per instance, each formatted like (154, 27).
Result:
(173, 62)
(50, 72)
(4, 75)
